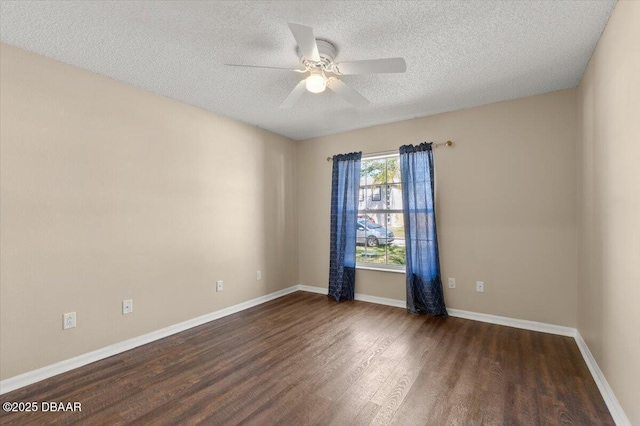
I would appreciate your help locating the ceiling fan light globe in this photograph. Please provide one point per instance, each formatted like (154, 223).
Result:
(316, 83)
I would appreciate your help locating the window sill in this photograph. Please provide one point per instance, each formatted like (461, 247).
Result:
(373, 268)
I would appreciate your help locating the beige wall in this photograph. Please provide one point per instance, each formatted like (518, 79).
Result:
(109, 192)
(506, 205)
(609, 206)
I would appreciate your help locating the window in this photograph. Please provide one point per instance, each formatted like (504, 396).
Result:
(380, 234)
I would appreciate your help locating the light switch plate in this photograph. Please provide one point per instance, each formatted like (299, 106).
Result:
(127, 306)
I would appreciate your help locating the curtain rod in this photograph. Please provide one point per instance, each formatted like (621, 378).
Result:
(447, 143)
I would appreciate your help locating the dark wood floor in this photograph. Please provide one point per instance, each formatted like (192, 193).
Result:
(304, 359)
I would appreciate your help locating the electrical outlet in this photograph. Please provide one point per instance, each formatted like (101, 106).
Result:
(127, 306)
(480, 286)
(452, 283)
(258, 275)
(68, 320)
(219, 285)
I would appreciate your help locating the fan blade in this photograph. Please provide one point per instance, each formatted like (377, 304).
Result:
(350, 95)
(294, 95)
(306, 41)
(371, 66)
(262, 66)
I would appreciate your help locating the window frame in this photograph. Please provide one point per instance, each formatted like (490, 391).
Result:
(383, 267)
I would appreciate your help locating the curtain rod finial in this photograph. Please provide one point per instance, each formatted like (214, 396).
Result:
(447, 143)
(328, 159)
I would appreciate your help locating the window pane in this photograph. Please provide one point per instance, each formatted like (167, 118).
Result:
(376, 199)
(373, 171)
(396, 253)
(369, 249)
(362, 200)
(371, 238)
(393, 196)
(374, 219)
(396, 247)
(396, 224)
(393, 170)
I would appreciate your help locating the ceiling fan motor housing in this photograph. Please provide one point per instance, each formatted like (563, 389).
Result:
(327, 51)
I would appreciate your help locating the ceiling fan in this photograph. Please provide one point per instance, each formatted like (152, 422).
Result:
(317, 58)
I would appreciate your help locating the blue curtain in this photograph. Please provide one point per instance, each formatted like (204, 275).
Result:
(424, 286)
(345, 184)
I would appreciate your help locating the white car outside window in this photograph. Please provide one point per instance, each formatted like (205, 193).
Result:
(372, 234)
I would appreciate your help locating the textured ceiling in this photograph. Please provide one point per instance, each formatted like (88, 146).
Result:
(459, 53)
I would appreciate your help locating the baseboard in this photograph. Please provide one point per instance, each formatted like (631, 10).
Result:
(514, 322)
(381, 300)
(359, 296)
(458, 313)
(311, 289)
(34, 376)
(609, 397)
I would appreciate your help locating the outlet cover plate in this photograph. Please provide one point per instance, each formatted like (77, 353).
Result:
(452, 283)
(480, 286)
(219, 285)
(68, 320)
